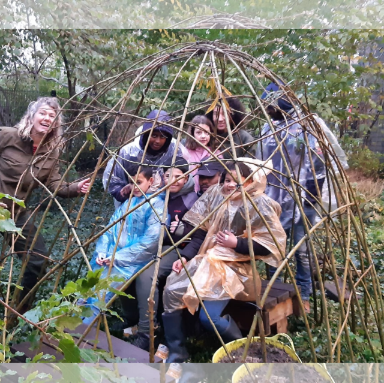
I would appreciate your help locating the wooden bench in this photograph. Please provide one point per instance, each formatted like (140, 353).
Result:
(281, 302)
(121, 348)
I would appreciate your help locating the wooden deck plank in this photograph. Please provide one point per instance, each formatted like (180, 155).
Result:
(121, 348)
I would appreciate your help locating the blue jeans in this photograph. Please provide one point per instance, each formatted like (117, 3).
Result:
(302, 254)
(214, 308)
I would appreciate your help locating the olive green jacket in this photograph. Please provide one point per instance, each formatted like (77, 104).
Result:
(16, 163)
(241, 137)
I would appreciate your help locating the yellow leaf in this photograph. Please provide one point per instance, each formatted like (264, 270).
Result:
(226, 91)
(227, 105)
(214, 103)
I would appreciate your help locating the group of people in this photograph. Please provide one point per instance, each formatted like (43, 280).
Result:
(207, 217)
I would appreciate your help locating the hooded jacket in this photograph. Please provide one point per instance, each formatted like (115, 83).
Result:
(219, 272)
(297, 155)
(134, 151)
(178, 204)
(139, 239)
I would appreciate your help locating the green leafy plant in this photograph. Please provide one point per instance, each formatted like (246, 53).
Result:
(7, 224)
(52, 317)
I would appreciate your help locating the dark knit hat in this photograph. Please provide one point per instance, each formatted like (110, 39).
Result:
(275, 97)
(180, 163)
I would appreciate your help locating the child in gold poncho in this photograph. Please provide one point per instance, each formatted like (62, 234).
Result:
(221, 270)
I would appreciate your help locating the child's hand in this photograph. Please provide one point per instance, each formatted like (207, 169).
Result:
(174, 224)
(101, 261)
(126, 190)
(226, 239)
(177, 266)
(3, 205)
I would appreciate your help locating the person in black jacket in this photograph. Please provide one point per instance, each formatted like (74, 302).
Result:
(181, 198)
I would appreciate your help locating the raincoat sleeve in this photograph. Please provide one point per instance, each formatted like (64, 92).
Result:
(271, 211)
(145, 246)
(259, 145)
(105, 244)
(332, 140)
(245, 139)
(197, 213)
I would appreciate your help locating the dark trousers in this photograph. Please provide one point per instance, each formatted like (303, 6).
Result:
(36, 264)
(136, 310)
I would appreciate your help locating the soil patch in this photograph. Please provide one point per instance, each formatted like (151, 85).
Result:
(297, 373)
(274, 355)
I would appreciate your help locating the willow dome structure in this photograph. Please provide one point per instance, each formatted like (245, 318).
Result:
(215, 72)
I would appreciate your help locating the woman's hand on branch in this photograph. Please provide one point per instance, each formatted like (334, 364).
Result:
(3, 205)
(177, 265)
(83, 186)
(226, 239)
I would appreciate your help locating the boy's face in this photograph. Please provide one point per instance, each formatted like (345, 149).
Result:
(206, 182)
(157, 140)
(178, 185)
(143, 183)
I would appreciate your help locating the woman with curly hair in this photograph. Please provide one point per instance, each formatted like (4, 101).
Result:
(29, 153)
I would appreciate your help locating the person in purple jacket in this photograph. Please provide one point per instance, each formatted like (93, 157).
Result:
(160, 149)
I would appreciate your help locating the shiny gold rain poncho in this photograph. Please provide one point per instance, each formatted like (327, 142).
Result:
(219, 272)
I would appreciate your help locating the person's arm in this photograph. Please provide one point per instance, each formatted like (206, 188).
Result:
(193, 247)
(118, 181)
(66, 190)
(243, 248)
(103, 244)
(335, 144)
(246, 138)
(145, 246)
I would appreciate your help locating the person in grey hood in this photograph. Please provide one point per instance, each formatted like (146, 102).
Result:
(292, 133)
(181, 198)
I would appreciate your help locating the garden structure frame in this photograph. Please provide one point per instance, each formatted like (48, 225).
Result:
(337, 234)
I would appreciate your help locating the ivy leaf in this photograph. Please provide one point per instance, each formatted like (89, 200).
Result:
(90, 281)
(70, 350)
(91, 140)
(8, 225)
(70, 288)
(20, 202)
(68, 322)
(89, 356)
(4, 213)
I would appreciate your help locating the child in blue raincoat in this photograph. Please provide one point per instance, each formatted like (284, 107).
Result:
(138, 241)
